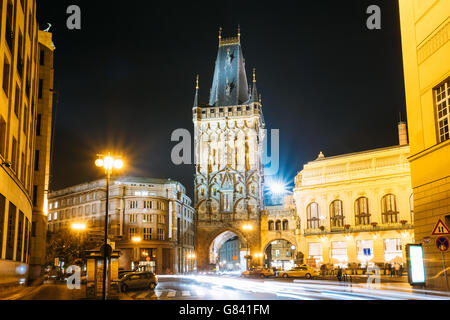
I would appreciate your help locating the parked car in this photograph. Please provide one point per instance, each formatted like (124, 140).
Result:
(258, 272)
(302, 271)
(123, 272)
(138, 280)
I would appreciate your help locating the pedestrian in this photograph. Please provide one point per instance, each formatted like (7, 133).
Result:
(397, 269)
(401, 269)
(339, 274)
(390, 269)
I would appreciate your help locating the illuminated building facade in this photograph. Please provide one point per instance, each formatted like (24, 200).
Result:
(356, 207)
(151, 220)
(425, 29)
(280, 234)
(22, 98)
(42, 154)
(228, 151)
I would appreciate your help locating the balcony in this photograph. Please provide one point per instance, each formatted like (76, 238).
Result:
(9, 37)
(20, 66)
(355, 229)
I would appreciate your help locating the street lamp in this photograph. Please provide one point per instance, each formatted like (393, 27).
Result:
(191, 257)
(78, 227)
(108, 163)
(247, 228)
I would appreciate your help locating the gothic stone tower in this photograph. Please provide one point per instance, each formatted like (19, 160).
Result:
(228, 152)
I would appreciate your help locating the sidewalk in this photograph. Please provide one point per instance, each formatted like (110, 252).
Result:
(364, 278)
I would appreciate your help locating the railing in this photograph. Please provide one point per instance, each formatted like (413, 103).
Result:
(365, 228)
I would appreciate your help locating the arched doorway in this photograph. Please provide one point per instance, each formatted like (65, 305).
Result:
(282, 254)
(227, 253)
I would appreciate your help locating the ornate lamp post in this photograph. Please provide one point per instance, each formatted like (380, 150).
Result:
(136, 240)
(78, 228)
(108, 163)
(247, 228)
(191, 257)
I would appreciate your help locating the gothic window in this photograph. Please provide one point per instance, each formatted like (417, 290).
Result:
(362, 215)
(312, 213)
(278, 225)
(285, 225)
(389, 209)
(271, 225)
(337, 214)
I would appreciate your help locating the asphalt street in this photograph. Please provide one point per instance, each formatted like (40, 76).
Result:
(209, 287)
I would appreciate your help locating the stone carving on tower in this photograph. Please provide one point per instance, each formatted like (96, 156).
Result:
(229, 139)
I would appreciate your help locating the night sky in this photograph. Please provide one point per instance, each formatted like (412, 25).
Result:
(126, 79)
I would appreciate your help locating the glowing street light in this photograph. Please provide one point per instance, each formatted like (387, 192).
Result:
(136, 239)
(108, 163)
(78, 226)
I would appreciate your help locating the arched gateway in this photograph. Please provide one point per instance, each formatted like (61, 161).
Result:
(229, 136)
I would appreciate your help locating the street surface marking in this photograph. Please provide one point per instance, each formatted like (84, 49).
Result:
(186, 293)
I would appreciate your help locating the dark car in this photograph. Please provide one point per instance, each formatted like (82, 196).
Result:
(124, 272)
(138, 280)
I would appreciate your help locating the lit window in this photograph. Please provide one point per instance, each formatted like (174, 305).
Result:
(133, 218)
(442, 101)
(389, 209)
(312, 212)
(337, 214)
(339, 251)
(362, 215)
(392, 249)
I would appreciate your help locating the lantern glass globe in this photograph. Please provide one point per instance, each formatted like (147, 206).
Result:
(99, 162)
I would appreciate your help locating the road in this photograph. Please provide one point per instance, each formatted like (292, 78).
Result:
(207, 287)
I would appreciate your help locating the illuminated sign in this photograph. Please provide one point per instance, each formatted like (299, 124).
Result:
(416, 266)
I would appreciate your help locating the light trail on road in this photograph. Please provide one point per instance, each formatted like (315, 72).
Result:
(307, 289)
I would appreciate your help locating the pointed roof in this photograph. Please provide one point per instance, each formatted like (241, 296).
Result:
(230, 85)
(196, 93)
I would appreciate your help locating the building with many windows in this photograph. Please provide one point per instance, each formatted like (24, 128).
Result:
(425, 30)
(42, 154)
(229, 255)
(356, 207)
(24, 158)
(151, 221)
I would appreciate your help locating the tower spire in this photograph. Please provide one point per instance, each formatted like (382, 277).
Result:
(239, 32)
(255, 96)
(220, 35)
(196, 92)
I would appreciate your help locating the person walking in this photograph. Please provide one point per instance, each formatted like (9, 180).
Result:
(339, 274)
(397, 269)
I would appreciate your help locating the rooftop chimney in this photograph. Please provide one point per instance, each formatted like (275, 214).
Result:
(402, 134)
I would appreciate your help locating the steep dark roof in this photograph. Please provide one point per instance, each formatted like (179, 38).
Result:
(230, 85)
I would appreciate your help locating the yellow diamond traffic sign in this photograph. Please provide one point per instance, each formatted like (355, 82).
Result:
(440, 228)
